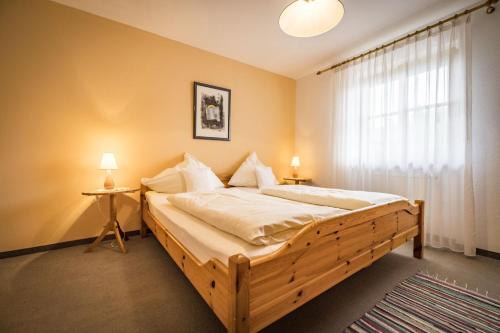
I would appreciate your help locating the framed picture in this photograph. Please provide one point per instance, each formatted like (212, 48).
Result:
(212, 112)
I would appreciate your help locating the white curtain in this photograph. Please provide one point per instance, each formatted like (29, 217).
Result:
(402, 125)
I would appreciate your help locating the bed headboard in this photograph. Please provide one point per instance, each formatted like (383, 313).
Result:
(144, 189)
(225, 179)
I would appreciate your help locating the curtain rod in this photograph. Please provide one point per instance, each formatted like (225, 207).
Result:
(490, 9)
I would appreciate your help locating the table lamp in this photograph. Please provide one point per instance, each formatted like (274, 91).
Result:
(108, 163)
(295, 164)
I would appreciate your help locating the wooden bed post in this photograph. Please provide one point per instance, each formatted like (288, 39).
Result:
(144, 227)
(239, 296)
(418, 240)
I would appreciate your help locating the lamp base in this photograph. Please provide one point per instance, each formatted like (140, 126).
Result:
(109, 183)
(295, 173)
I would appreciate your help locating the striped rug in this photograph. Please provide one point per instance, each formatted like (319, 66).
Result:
(424, 304)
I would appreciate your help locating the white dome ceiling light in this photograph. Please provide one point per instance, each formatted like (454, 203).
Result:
(308, 18)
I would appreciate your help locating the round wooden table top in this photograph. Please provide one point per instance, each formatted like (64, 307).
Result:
(102, 191)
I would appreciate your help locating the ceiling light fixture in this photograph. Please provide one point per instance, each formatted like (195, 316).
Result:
(308, 18)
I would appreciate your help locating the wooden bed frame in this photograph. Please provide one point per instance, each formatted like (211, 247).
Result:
(250, 294)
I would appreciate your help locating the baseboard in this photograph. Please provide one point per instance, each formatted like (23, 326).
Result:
(62, 245)
(489, 254)
(56, 246)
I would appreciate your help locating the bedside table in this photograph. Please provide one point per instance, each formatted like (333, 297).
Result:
(298, 180)
(113, 224)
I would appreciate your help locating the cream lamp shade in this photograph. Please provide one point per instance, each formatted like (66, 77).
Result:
(108, 162)
(295, 164)
(308, 18)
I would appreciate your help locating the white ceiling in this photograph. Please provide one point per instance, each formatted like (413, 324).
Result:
(248, 30)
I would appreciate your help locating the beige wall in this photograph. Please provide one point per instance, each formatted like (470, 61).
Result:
(73, 85)
(313, 140)
(314, 105)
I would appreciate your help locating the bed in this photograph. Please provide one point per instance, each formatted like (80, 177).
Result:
(248, 287)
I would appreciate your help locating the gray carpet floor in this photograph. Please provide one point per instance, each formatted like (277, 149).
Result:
(143, 291)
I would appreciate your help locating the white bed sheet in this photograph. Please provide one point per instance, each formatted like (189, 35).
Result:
(248, 189)
(203, 240)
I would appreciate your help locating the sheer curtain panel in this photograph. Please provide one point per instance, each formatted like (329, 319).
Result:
(402, 125)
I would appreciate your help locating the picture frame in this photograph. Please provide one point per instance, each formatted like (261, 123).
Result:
(211, 112)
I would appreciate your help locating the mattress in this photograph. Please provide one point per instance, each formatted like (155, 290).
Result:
(203, 240)
(248, 189)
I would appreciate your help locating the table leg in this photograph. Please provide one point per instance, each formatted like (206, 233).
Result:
(119, 239)
(122, 233)
(116, 226)
(107, 228)
(111, 226)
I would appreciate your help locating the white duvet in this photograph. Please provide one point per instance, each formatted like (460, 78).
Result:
(331, 197)
(256, 218)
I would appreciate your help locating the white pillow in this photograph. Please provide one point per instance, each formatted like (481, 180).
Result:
(245, 175)
(198, 179)
(174, 169)
(171, 180)
(265, 176)
(213, 177)
(168, 181)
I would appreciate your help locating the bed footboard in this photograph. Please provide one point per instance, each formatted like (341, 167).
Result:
(324, 254)
(418, 241)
